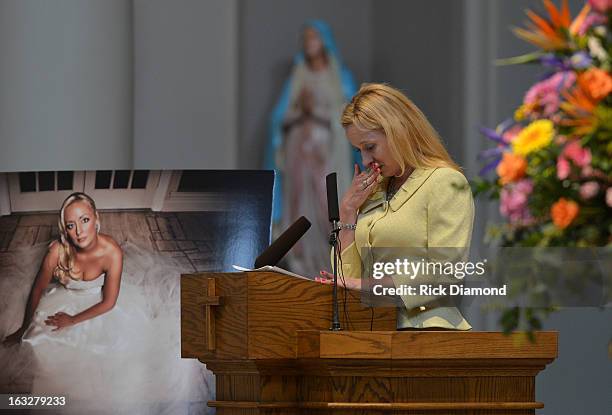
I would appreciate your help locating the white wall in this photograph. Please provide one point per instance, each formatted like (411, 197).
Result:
(65, 84)
(418, 48)
(116, 84)
(185, 78)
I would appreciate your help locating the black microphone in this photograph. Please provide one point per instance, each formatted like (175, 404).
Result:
(334, 217)
(332, 198)
(273, 254)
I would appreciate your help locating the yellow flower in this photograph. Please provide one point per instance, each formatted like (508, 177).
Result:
(535, 136)
(524, 111)
(519, 114)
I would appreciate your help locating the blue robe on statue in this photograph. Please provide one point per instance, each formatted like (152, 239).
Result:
(302, 152)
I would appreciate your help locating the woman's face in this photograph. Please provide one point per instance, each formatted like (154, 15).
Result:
(80, 224)
(313, 45)
(374, 148)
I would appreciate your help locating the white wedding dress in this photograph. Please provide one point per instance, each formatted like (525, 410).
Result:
(126, 361)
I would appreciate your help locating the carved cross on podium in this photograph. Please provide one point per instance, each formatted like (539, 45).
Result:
(209, 301)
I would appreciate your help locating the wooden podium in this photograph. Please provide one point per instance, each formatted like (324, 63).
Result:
(265, 337)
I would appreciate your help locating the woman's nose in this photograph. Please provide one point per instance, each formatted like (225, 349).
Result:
(365, 160)
(77, 229)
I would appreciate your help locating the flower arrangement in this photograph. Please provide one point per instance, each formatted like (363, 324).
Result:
(552, 163)
(551, 166)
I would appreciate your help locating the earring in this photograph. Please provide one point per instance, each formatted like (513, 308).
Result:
(97, 227)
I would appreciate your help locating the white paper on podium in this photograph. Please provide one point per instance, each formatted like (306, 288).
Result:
(273, 269)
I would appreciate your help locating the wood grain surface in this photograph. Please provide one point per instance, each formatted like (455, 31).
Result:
(427, 345)
(279, 306)
(275, 355)
(230, 316)
(260, 313)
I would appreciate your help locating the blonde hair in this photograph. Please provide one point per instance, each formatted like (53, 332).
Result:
(412, 139)
(65, 264)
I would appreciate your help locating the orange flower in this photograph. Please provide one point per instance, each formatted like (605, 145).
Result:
(596, 82)
(579, 107)
(549, 34)
(563, 212)
(511, 168)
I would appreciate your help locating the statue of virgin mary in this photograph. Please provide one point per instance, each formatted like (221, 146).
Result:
(307, 142)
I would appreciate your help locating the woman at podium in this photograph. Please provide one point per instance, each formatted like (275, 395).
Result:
(412, 195)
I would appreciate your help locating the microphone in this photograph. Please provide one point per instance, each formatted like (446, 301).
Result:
(333, 212)
(273, 254)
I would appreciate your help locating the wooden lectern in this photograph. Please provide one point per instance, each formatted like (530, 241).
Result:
(265, 337)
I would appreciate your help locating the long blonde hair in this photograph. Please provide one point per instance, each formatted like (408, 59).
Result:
(412, 139)
(65, 264)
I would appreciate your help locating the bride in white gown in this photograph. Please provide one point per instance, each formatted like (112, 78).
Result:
(107, 343)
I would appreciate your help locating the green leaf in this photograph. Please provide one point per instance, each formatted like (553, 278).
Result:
(510, 319)
(533, 57)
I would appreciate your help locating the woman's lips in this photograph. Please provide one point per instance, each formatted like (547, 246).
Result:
(371, 167)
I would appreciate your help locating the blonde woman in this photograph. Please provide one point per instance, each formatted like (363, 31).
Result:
(413, 195)
(110, 346)
(88, 266)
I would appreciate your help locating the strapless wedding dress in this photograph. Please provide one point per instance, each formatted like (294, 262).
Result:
(126, 361)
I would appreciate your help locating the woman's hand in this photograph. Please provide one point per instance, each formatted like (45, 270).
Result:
(60, 320)
(14, 338)
(361, 188)
(328, 279)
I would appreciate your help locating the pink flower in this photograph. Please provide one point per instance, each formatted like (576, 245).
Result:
(545, 95)
(580, 156)
(513, 202)
(563, 168)
(509, 135)
(589, 190)
(609, 197)
(602, 6)
(556, 118)
(587, 171)
(593, 19)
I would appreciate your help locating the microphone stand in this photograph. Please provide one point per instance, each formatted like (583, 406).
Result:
(333, 242)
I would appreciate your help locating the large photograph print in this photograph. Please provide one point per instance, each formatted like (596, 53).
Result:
(90, 265)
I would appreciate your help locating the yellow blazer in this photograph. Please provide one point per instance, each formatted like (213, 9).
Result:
(433, 208)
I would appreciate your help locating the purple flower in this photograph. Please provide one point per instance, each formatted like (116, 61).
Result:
(492, 135)
(581, 60)
(555, 62)
(494, 155)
